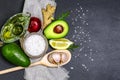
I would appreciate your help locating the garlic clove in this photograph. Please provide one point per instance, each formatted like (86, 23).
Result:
(64, 58)
(56, 57)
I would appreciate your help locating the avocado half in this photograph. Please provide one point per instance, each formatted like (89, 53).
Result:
(49, 30)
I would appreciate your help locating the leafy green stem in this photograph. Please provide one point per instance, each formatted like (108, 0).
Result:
(64, 15)
(72, 47)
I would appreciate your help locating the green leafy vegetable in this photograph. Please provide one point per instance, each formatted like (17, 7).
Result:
(64, 15)
(72, 47)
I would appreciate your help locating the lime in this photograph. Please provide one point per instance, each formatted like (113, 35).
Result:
(61, 43)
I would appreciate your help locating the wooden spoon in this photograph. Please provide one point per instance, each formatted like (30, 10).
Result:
(44, 61)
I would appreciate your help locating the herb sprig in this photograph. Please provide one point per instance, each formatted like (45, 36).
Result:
(64, 15)
(72, 47)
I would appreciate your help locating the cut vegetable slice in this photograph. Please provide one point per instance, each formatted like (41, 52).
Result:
(62, 43)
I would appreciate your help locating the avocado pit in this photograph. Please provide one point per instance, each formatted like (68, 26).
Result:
(58, 29)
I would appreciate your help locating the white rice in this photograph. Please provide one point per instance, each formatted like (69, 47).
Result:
(35, 45)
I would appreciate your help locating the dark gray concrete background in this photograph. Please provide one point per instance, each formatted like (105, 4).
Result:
(103, 17)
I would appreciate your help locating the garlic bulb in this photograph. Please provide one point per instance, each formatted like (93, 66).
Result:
(57, 58)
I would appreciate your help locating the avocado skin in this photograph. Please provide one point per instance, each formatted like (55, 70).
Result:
(49, 30)
(14, 54)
